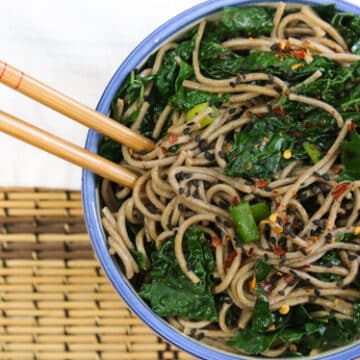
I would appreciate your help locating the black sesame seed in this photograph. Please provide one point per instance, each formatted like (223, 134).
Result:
(317, 222)
(317, 292)
(218, 219)
(232, 84)
(186, 131)
(195, 182)
(143, 152)
(340, 283)
(209, 156)
(266, 256)
(323, 187)
(152, 209)
(232, 110)
(303, 251)
(179, 176)
(181, 190)
(272, 240)
(191, 123)
(192, 332)
(228, 300)
(282, 241)
(267, 188)
(188, 175)
(200, 336)
(313, 187)
(281, 292)
(198, 138)
(181, 207)
(328, 237)
(274, 47)
(223, 204)
(293, 281)
(202, 145)
(306, 282)
(317, 174)
(221, 155)
(313, 232)
(352, 257)
(312, 298)
(326, 177)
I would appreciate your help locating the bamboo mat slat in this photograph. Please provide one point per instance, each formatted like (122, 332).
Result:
(55, 301)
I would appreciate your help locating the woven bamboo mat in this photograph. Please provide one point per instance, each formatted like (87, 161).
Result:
(55, 301)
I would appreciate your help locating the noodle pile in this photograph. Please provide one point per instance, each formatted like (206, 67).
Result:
(177, 190)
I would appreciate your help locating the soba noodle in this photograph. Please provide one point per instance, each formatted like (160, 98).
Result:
(179, 189)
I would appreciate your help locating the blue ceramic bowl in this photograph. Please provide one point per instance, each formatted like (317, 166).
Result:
(91, 200)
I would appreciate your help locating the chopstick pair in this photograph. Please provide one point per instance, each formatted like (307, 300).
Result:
(42, 139)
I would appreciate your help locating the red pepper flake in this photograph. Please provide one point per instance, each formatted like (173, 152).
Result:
(235, 200)
(173, 138)
(280, 111)
(266, 286)
(230, 259)
(307, 266)
(279, 251)
(288, 278)
(351, 127)
(164, 149)
(298, 54)
(336, 170)
(215, 241)
(260, 183)
(251, 251)
(339, 190)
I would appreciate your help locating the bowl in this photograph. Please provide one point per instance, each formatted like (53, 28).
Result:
(91, 198)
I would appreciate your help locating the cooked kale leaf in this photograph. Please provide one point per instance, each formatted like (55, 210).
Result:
(170, 292)
(350, 158)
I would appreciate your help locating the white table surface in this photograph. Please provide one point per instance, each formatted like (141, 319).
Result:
(74, 46)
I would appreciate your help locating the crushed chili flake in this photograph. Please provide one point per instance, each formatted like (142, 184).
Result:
(251, 251)
(351, 127)
(288, 278)
(279, 251)
(235, 200)
(339, 190)
(335, 169)
(230, 259)
(173, 138)
(260, 183)
(278, 229)
(215, 241)
(313, 238)
(306, 266)
(298, 54)
(279, 110)
(164, 149)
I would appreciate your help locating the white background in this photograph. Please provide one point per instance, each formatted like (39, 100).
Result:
(74, 46)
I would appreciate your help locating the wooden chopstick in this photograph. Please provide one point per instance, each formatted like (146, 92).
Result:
(52, 98)
(65, 150)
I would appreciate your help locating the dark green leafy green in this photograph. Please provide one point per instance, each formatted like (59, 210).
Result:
(330, 259)
(252, 342)
(170, 292)
(258, 152)
(110, 149)
(357, 313)
(140, 259)
(326, 12)
(350, 158)
(349, 27)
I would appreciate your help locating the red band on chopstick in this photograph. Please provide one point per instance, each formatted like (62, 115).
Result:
(3, 71)
(20, 80)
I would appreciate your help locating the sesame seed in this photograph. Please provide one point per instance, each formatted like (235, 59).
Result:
(186, 131)
(352, 257)
(179, 176)
(328, 237)
(272, 240)
(188, 175)
(232, 84)
(340, 283)
(312, 298)
(218, 219)
(303, 251)
(181, 190)
(326, 177)
(200, 336)
(195, 182)
(202, 145)
(143, 152)
(266, 256)
(221, 155)
(232, 110)
(152, 209)
(281, 292)
(317, 292)
(192, 332)
(181, 207)
(316, 222)
(228, 300)
(191, 123)
(317, 174)
(293, 281)
(198, 138)
(267, 188)
(209, 156)
(274, 47)
(323, 187)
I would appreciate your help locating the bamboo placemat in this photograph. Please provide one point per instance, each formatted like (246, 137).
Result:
(55, 301)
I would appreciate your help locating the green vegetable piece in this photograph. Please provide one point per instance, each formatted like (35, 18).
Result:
(252, 342)
(260, 211)
(170, 292)
(357, 313)
(245, 223)
(350, 158)
(313, 152)
(197, 109)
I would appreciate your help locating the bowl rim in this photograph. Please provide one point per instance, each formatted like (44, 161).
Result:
(90, 195)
